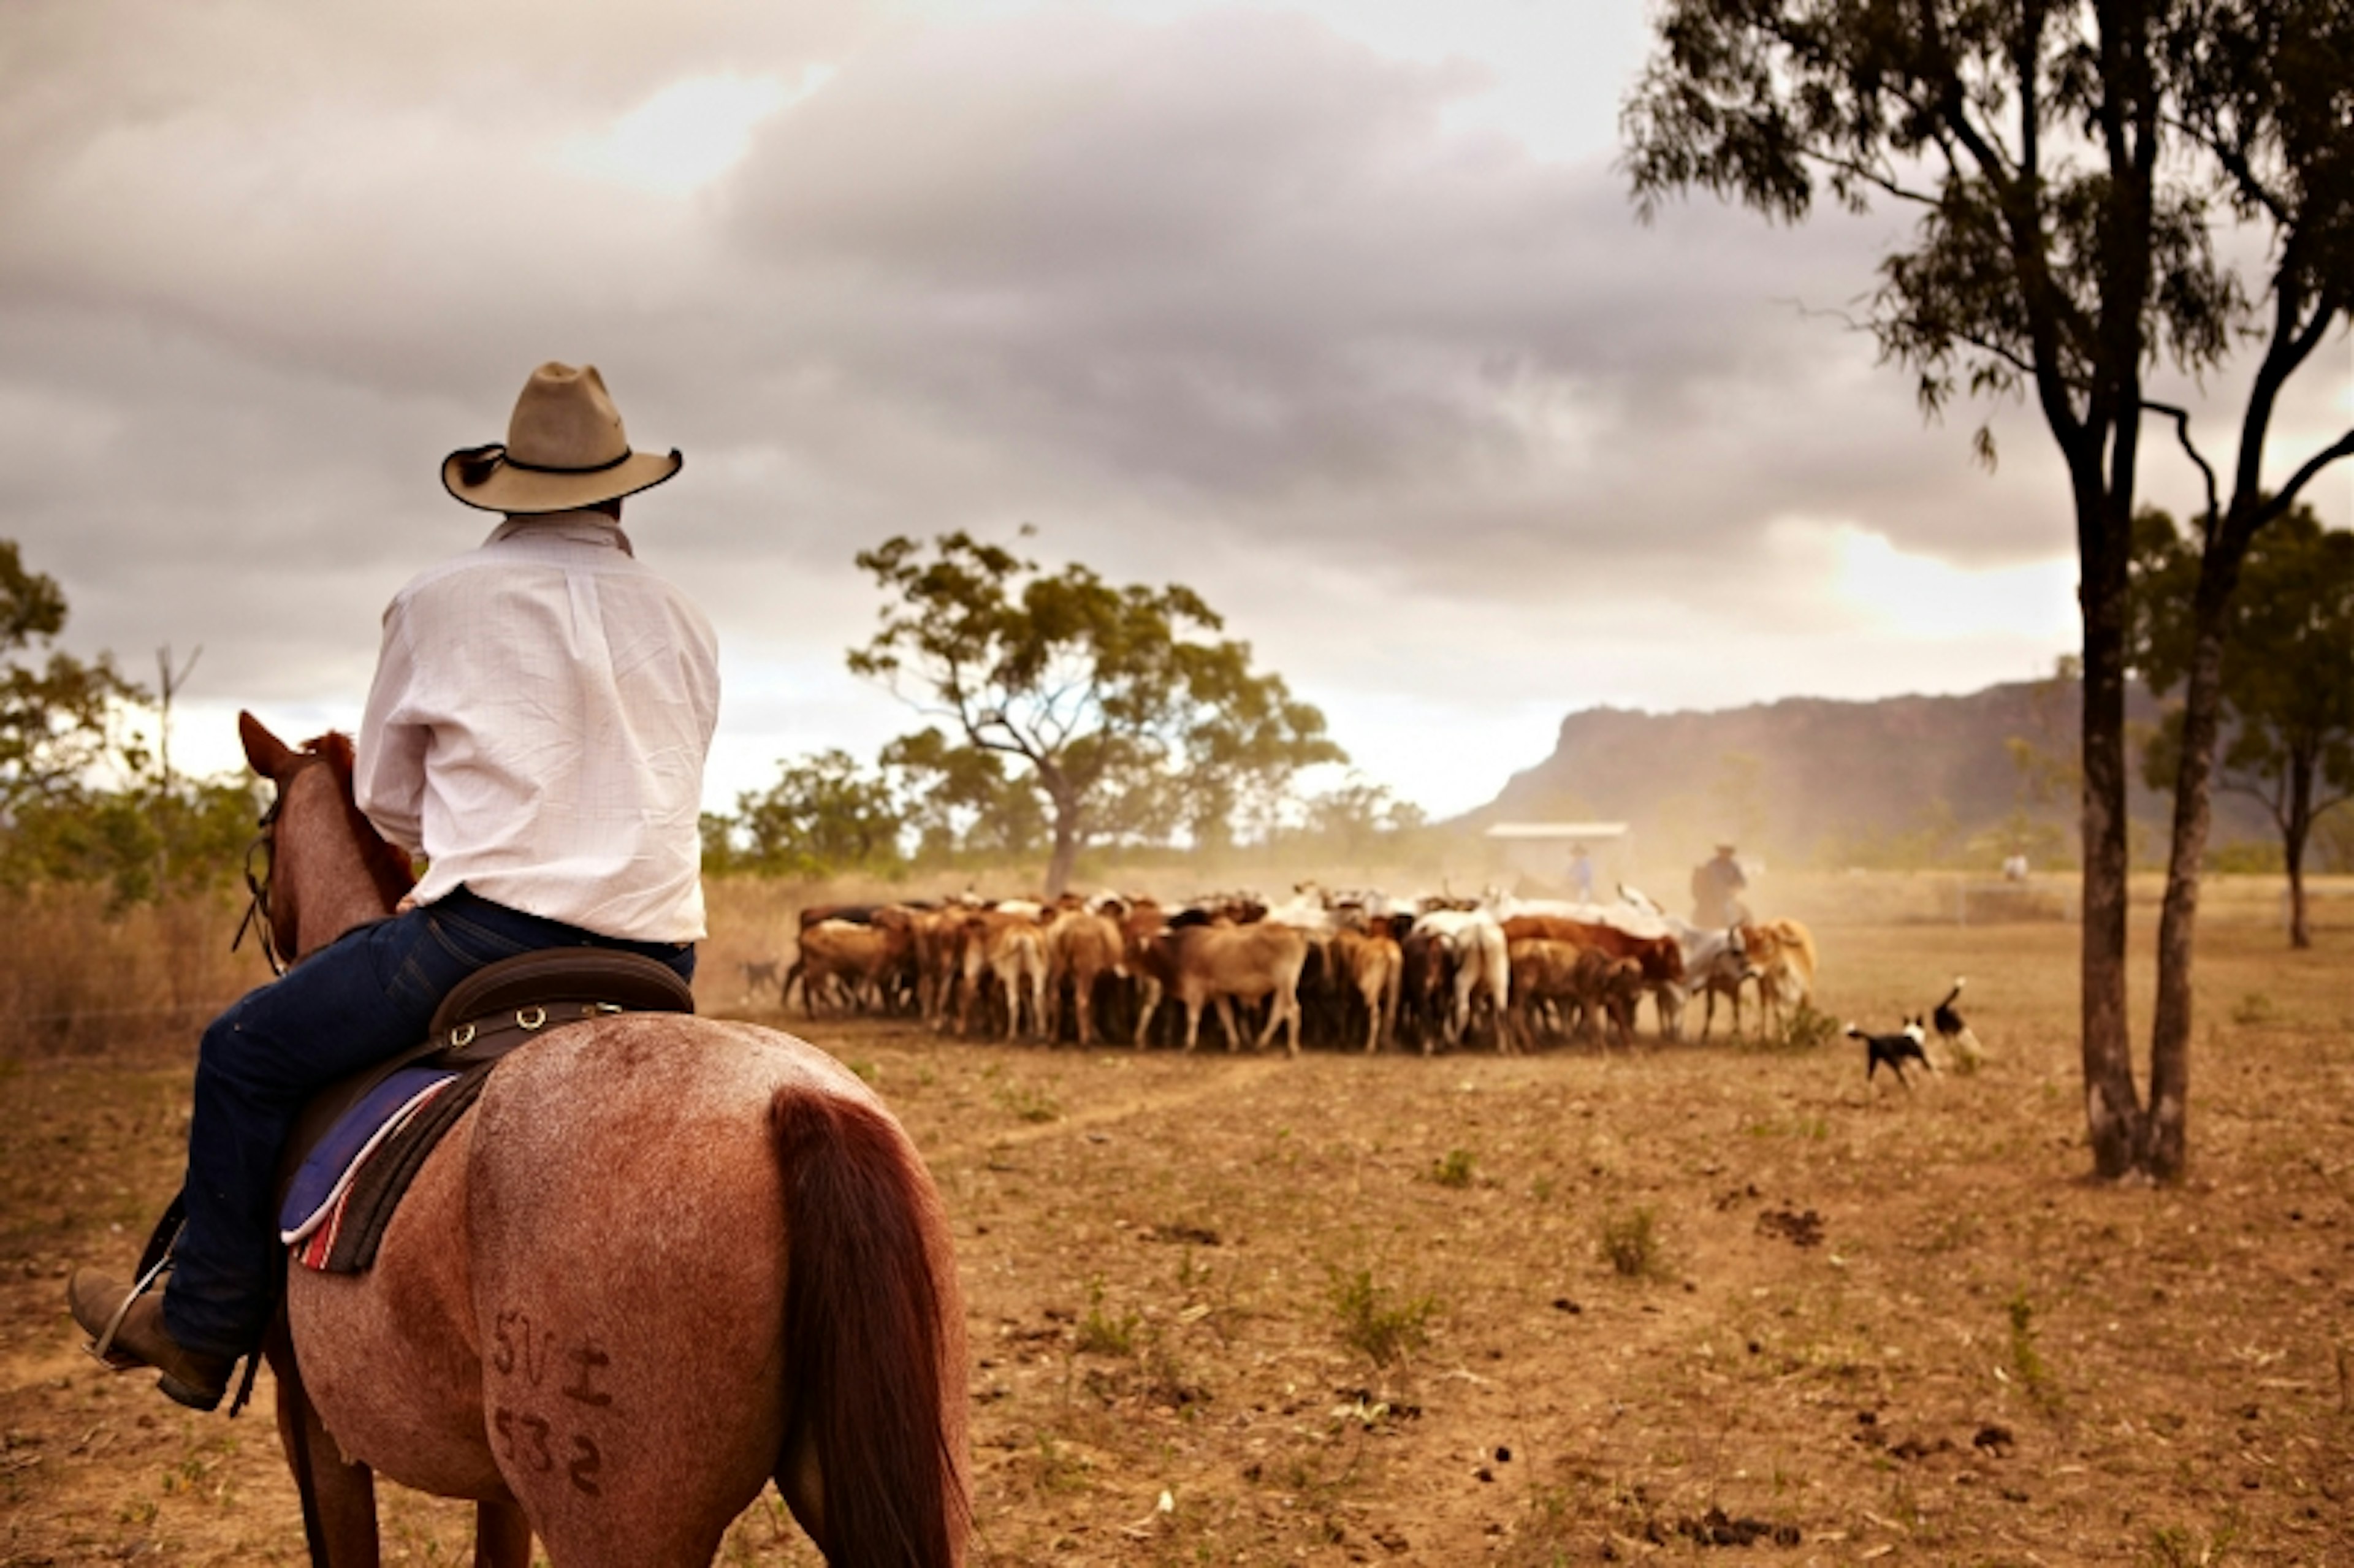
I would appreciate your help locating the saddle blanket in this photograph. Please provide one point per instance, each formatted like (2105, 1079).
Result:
(343, 1194)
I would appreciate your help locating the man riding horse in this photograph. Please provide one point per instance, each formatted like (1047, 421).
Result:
(537, 727)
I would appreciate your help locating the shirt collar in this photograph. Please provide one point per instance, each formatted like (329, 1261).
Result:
(579, 527)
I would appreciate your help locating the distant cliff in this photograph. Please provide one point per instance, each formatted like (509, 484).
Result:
(1811, 779)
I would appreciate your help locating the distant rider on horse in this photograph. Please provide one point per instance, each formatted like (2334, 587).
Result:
(536, 729)
(1716, 886)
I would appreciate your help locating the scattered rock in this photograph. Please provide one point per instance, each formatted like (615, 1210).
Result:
(1716, 1528)
(1996, 1440)
(1913, 1448)
(1799, 1228)
(1564, 1304)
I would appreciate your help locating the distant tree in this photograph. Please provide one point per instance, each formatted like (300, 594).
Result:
(2071, 165)
(1119, 714)
(2286, 674)
(83, 797)
(962, 800)
(823, 814)
(58, 714)
(1358, 819)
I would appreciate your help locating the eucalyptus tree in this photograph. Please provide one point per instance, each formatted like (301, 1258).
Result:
(1124, 716)
(2286, 674)
(2071, 164)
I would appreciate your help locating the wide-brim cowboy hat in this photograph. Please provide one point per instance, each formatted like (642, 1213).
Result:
(565, 449)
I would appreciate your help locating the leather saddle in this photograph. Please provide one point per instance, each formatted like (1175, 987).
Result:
(502, 1006)
(490, 1013)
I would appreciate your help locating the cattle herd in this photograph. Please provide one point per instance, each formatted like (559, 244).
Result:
(1360, 970)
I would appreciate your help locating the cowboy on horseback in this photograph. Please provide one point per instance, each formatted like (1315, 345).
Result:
(536, 729)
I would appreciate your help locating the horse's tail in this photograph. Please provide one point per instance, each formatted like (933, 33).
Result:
(867, 1338)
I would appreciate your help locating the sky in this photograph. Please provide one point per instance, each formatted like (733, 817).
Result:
(1336, 311)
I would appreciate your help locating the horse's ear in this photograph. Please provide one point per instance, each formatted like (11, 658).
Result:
(269, 756)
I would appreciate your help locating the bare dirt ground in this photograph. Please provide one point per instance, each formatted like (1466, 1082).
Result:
(1251, 1311)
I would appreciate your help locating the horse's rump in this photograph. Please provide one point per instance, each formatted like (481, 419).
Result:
(585, 1297)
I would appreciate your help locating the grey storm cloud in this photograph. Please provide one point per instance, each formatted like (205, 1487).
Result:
(1229, 299)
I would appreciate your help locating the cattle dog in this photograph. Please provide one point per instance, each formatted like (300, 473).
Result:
(1959, 1040)
(1892, 1050)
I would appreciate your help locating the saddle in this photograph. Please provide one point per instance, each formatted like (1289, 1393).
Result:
(360, 1141)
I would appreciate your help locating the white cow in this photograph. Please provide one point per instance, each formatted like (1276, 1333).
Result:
(1483, 970)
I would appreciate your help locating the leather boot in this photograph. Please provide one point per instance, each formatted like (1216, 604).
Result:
(195, 1378)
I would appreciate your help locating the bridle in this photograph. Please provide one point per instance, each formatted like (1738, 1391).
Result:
(261, 919)
(258, 918)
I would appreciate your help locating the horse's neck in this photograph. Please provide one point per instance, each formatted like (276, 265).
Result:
(325, 866)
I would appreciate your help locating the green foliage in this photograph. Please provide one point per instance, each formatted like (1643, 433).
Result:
(1453, 1169)
(57, 715)
(2027, 1360)
(1356, 822)
(1372, 1320)
(1801, 1028)
(2287, 674)
(823, 814)
(1631, 1244)
(2058, 260)
(962, 802)
(1129, 725)
(2245, 858)
(1106, 1334)
(82, 797)
(2181, 1546)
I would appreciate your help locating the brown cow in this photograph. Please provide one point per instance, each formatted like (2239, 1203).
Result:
(1372, 969)
(1222, 964)
(1081, 947)
(852, 965)
(989, 949)
(1782, 954)
(1662, 961)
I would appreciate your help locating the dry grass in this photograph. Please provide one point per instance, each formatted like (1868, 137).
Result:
(1899, 1325)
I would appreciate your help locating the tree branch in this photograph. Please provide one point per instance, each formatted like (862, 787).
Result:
(2181, 418)
(1886, 182)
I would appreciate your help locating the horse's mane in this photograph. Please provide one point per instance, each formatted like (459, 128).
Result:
(387, 863)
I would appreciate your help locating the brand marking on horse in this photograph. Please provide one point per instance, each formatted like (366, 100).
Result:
(536, 1351)
(588, 1357)
(585, 1465)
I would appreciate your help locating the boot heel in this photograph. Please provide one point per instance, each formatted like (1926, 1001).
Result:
(195, 1398)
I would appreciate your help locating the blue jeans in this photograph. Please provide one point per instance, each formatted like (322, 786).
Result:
(364, 997)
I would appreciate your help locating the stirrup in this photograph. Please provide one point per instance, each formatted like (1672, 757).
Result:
(103, 1346)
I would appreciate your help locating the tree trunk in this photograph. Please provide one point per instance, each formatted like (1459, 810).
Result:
(2297, 832)
(1066, 844)
(2111, 1109)
(2165, 1139)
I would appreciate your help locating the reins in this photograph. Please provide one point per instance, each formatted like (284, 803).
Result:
(258, 917)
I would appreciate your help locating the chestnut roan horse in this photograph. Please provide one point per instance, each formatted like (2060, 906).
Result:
(661, 1261)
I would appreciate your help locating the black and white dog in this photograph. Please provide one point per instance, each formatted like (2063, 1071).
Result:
(1893, 1050)
(1959, 1040)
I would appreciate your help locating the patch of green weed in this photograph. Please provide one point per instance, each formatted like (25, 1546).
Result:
(1631, 1243)
(1374, 1321)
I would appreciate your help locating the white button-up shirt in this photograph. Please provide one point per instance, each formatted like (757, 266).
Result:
(537, 727)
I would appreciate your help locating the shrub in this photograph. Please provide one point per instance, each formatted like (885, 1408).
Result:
(1631, 1243)
(1101, 1332)
(1384, 1328)
(1802, 1028)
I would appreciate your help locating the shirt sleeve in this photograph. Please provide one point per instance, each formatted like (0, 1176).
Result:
(388, 780)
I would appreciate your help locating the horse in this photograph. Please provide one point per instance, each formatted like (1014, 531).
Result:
(661, 1261)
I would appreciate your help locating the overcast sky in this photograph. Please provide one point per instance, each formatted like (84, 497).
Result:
(1336, 311)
